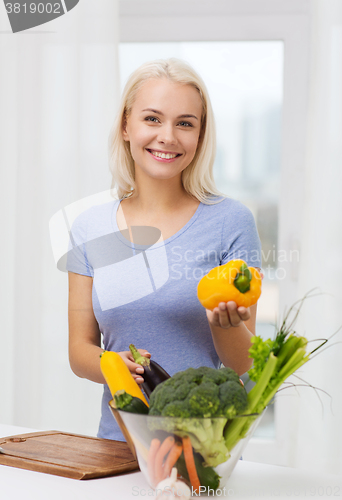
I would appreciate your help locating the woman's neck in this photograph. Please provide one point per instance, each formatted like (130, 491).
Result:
(159, 195)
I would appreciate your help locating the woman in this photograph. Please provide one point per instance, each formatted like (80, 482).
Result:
(162, 149)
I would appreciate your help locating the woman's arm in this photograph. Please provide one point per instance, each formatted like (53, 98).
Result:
(233, 342)
(85, 336)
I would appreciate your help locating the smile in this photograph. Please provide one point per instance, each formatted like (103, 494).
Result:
(166, 156)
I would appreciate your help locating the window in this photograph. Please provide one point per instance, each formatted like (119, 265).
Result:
(245, 82)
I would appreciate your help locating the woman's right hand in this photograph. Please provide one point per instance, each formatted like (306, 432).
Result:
(135, 369)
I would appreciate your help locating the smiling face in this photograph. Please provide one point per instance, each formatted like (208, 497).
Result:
(163, 128)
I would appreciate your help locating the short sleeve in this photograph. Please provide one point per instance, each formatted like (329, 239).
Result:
(240, 238)
(77, 259)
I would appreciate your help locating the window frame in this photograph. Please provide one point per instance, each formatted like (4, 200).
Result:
(248, 20)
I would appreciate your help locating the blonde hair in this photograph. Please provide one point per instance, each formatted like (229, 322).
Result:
(197, 177)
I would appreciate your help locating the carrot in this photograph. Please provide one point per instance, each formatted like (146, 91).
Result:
(172, 458)
(151, 458)
(190, 464)
(164, 449)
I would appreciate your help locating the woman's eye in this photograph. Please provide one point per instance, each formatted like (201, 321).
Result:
(151, 119)
(185, 124)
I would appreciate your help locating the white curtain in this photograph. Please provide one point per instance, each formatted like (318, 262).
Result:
(59, 90)
(318, 443)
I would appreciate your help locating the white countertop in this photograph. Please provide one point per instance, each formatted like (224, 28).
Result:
(249, 480)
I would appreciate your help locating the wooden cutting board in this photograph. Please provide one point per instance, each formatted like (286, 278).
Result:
(69, 455)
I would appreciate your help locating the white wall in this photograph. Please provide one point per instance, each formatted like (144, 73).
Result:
(58, 94)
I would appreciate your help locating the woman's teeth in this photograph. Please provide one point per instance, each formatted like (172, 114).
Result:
(164, 155)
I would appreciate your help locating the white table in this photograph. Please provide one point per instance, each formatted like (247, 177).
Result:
(249, 481)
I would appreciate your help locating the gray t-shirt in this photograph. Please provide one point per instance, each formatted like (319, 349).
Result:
(146, 294)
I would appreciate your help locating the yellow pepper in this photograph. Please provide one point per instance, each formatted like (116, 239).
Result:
(233, 281)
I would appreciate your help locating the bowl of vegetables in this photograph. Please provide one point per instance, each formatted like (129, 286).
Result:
(196, 447)
(196, 421)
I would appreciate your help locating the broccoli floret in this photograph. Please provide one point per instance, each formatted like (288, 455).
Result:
(210, 397)
(231, 375)
(204, 399)
(176, 409)
(160, 398)
(233, 399)
(220, 376)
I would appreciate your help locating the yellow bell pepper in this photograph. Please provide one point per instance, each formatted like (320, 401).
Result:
(234, 281)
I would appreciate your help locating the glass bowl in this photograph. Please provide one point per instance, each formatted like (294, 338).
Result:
(140, 430)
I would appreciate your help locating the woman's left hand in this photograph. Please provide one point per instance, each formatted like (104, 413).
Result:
(228, 314)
